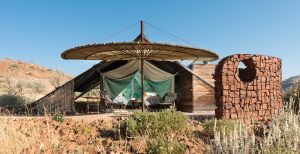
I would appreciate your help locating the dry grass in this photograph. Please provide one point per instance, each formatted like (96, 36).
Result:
(44, 135)
(16, 137)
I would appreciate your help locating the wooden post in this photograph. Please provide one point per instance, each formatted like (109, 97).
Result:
(142, 82)
(87, 106)
(98, 109)
(142, 31)
(142, 65)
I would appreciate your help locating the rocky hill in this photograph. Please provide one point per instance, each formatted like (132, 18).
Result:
(286, 84)
(27, 79)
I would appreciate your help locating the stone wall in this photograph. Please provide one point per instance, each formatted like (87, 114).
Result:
(252, 92)
(203, 93)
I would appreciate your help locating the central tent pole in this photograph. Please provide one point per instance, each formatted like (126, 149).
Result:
(142, 65)
(142, 82)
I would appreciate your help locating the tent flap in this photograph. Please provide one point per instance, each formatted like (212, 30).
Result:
(116, 86)
(127, 80)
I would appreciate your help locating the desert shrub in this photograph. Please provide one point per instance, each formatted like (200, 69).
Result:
(59, 117)
(93, 93)
(13, 102)
(161, 130)
(282, 135)
(58, 80)
(212, 125)
(14, 66)
(163, 146)
(155, 123)
(19, 88)
(291, 98)
(38, 87)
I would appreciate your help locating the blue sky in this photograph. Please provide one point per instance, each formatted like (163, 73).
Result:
(38, 31)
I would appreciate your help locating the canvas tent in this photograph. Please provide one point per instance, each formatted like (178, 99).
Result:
(173, 75)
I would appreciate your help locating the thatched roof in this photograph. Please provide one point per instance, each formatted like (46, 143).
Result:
(138, 50)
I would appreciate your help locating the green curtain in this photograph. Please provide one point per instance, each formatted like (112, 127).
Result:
(131, 86)
(115, 86)
(161, 87)
(134, 88)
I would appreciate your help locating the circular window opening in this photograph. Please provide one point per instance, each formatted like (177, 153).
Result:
(246, 70)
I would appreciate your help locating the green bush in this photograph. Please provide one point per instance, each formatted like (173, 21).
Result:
(162, 146)
(154, 124)
(59, 117)
(161, 129)
(13, 102)
(218, 125)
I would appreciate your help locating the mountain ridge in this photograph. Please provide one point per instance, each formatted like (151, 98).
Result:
(287, 83)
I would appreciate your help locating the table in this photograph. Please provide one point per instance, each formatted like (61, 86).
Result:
(92, 100)
(133, 103)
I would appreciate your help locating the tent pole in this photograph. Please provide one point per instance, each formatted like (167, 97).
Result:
(142, 65)
(142, 82)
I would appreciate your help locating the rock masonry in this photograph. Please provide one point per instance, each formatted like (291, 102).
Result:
(252, 92)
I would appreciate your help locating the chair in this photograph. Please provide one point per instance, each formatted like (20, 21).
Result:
(151, 98)
(170, 99)
(107, 100)
(152, 101)
(109, 103)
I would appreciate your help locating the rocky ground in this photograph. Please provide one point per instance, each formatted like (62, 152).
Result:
(44, 135)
